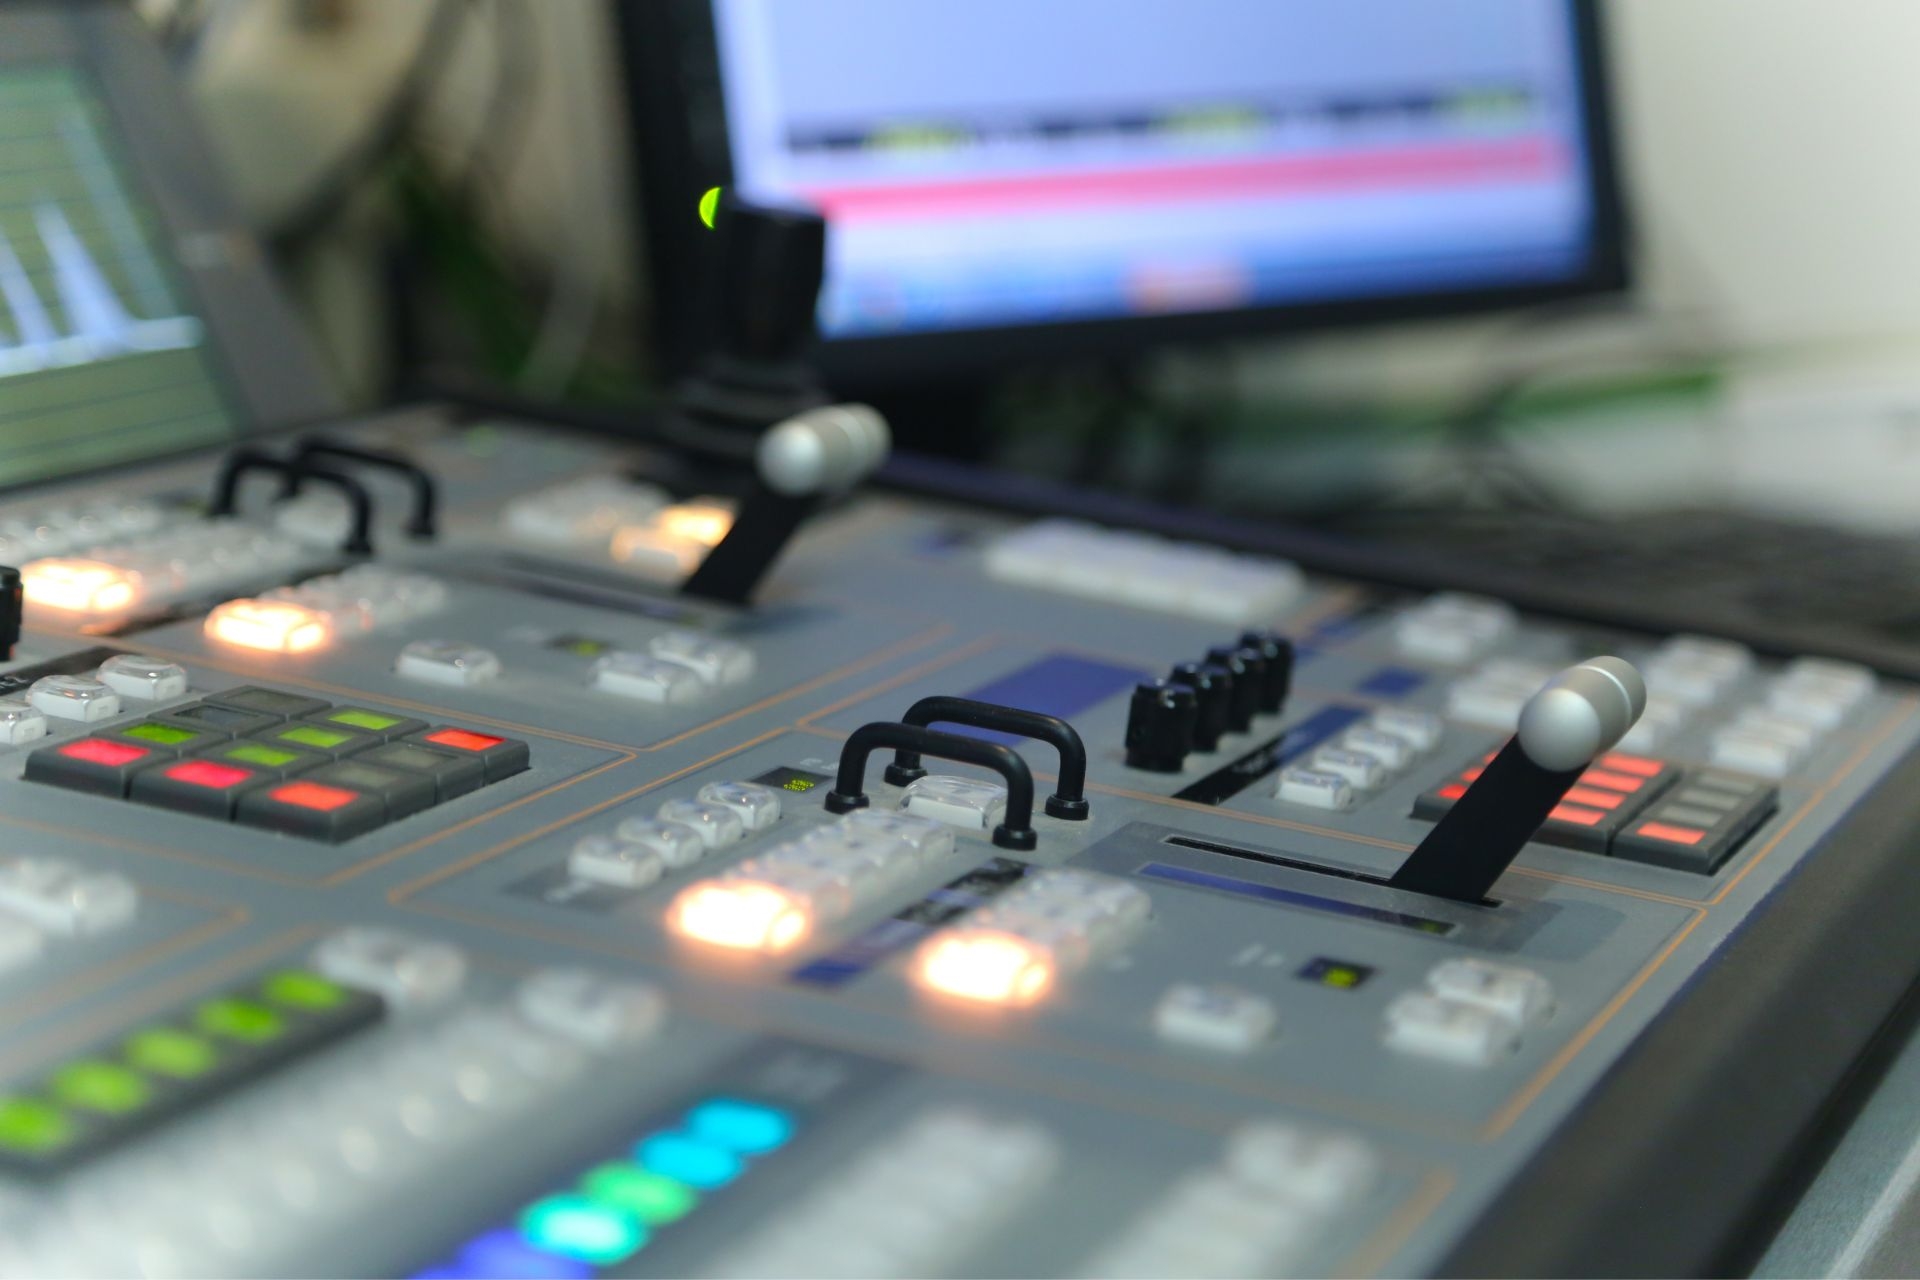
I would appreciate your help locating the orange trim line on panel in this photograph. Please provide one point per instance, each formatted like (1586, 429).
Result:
(1386, 1240)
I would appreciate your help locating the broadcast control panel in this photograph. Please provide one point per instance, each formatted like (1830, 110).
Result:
(436, 889)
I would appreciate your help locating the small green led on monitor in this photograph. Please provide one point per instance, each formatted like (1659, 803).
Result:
(709, 205)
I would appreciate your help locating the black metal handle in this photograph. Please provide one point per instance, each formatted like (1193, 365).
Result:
(242, 462)
(422, 521)
(1069, 798)
(849, 789)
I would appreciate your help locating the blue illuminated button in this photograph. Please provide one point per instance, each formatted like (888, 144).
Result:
(684, 1158)
(749, 1128)
(576, 1227)
(506, 1253)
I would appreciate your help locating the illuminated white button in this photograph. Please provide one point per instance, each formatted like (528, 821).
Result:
(135, 675)
(1520, 995)
(595, 1010)
(704, 520)
(1324, 1172)
(447, 662)
(1214, 1017)
(740, 915)
(985, 966)
(860, 849)
(408, 971)
(1767, 757)
(73, 698)
(828, 890)
(62, 899)
(927, 838)
(1391, 751)
(1430, 1026)
(675, 843)
(714, 661)
(653, 554)
(1418, 729)
(271, 626)
(758, 806)
(1361, 771)
(20, 943)
(645, 678)
(960, 802)
(609, 860)
(20, 723)
(717, 825)
(79, 586)
(1315, 790)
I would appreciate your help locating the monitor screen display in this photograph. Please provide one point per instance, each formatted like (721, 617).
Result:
(1010, 163)
(102, 359)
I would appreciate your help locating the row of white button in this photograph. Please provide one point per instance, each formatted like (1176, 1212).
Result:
(1801, 705)
(1067, 918)
(201, 554)
(846, 865)
(640, 850)
(1274, 1196)
(58, 530)
(581, 512)
(909, 1205)
(1471, 1013)
(87, 699)
(1452, 629)
(60, 898)
(1365, 758)
(1185, 578)
(366, 596)
(677, 667)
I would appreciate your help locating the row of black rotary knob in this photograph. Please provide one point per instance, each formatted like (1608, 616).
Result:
(1198, 702)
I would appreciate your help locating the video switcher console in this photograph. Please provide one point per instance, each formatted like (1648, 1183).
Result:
(418, 882)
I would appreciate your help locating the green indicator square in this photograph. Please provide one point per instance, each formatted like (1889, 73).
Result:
(259, 753)
(164, 1051)
(312, 735)
(167, 735)
(298, 989)
(28, 1124)
(235, 1019)
(98, 1085)
(360, 718)
(649, 1197)
(1342, 975)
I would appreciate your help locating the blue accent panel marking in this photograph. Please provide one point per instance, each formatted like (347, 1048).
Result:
(1230, 780)
(910, 924)
(1292, 897)
(1060, 684)
(1392, 682)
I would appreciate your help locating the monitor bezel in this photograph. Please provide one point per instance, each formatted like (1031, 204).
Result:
(676, 114)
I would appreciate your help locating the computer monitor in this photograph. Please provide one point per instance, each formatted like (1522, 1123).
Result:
(1011, 180)
(136, 315)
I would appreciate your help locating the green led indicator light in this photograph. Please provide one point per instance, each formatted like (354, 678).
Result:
(178, 1055)
(298, 989)
(261, 754)
(308, 735)
(709, 206)
(360, 719)
(798, 784)
(165, 734)
(241, 1020)
(649, 1197)
(27, 1124)
(579, 1228)
(101, 1086)
(1338, 974)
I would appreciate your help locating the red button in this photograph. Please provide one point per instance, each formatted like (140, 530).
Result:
(1631, 764)
(1575, 814)
(100, 751)
(205, 773)
(1598, 799)
(313, 795)
(1452, 791)
(1612, 781)
(464, 739)
(1473, 774)
(1671, 834)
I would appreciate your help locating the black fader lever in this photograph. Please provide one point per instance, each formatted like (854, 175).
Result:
(849, 787)
(241, 462)
(422, 520)
(12, 608)
(1068, 802)
(1579, 714)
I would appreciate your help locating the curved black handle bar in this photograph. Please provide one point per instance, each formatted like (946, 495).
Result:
(422, 521)
(849, 791)
(1069, 798)
(242, 462)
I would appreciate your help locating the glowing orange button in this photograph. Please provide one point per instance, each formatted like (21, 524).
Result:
(79, 586)
(464, 739)
(984, 966)
(271, 626)
(207, 773)
(740, 915)
(314, 795)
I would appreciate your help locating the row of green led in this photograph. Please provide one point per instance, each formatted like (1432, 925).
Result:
(112, 1087)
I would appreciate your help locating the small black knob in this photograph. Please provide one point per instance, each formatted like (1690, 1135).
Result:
(1278, 651)
(1160, 722)
(12, 604)
(1249, 678)
(1213, 689)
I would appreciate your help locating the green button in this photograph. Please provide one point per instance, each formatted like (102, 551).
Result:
(259, 753)
(238, 1019)
(101, 1086)
(178, 1055)
(649, 1197)
(166, 735)
(28, 1124)
(362, 719)
(308, 735)
(299, 989)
